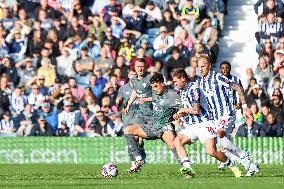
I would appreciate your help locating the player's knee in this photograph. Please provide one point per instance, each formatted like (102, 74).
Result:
(221, 133)
(178, 142)
(127, 130)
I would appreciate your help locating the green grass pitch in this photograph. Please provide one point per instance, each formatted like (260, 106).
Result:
(152, 176)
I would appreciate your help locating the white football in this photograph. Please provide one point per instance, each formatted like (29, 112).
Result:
(109, 170)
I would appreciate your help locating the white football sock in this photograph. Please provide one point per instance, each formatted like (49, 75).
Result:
(186, 162)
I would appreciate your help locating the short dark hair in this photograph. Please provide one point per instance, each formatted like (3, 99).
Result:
(207, 17)
(131, 69)
(141, 60)
(226, 63)
(72, 78)
(176, 49)
(157, 78)
(179, 73)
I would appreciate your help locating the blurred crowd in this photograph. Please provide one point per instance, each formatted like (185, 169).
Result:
(64, 61)
(264, 87)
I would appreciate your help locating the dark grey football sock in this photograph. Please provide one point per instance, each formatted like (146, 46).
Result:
(133, 146)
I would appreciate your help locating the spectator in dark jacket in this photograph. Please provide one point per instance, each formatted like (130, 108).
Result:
(25, 121)
(257, 96)
(248, 129)
(41, 128)
(5, 91)
(176, 61)
(11, 71)
(264, 4)
(277, 108)
(272, 128)
(76, 29)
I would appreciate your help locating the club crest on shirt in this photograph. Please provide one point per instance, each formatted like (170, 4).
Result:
(144, 85)
(177, 101)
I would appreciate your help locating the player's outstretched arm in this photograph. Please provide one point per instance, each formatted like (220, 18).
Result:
(240, 91)
(131, 100)
(143, 100)
(194, 110)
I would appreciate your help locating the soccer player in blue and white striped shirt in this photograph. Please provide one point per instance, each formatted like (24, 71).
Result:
(196, 120)
(215, 87)
(225, 69)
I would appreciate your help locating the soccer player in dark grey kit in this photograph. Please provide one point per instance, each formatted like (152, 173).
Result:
(159, 125)
(142, 92)
(122, 99)
(139, 104)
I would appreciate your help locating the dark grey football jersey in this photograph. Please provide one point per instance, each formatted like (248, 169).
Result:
(165, 105)
(142, 87)
(125, 93)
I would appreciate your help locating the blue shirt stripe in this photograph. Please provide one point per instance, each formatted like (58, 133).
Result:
(189, 96)
(216, 91)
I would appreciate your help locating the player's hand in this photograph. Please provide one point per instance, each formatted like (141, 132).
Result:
(141, 101)
(176, 116)
(126, 110)
(118, 101)
(179, 114)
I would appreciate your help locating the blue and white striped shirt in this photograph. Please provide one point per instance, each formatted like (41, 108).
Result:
(233, 95)
(216, 92)
(274, 29)
(192, 95)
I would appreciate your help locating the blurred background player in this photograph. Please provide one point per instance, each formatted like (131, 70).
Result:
(121, 101)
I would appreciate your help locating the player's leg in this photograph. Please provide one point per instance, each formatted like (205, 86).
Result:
(228, 147)
(236, 154)
(232, 151)
(185, 136)
(133, 145)
(210, 147)
(142, 149)
(168, 137)
(179, 143)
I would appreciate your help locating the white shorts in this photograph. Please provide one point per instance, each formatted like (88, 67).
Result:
(201, 131)
(226, 123)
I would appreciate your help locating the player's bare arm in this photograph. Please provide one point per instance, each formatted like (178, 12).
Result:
(240, 91)
(194, 110)
(144, 100)
(131, 100)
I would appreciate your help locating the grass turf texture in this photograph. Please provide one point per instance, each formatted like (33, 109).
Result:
(152, 176)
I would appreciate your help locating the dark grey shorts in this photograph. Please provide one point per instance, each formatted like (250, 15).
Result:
(155, 131)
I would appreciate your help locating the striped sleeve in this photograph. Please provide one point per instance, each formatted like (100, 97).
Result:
(193, 95)
(224, 81)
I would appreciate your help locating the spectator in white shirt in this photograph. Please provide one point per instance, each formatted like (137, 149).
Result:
(65, 63)
(163, 44)
(35, 98)
(154, 15)
(17, 101)
(7, 128)
(67, 117)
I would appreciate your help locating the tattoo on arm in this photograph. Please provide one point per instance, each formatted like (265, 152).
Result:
(194, 110)
(240, 91)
